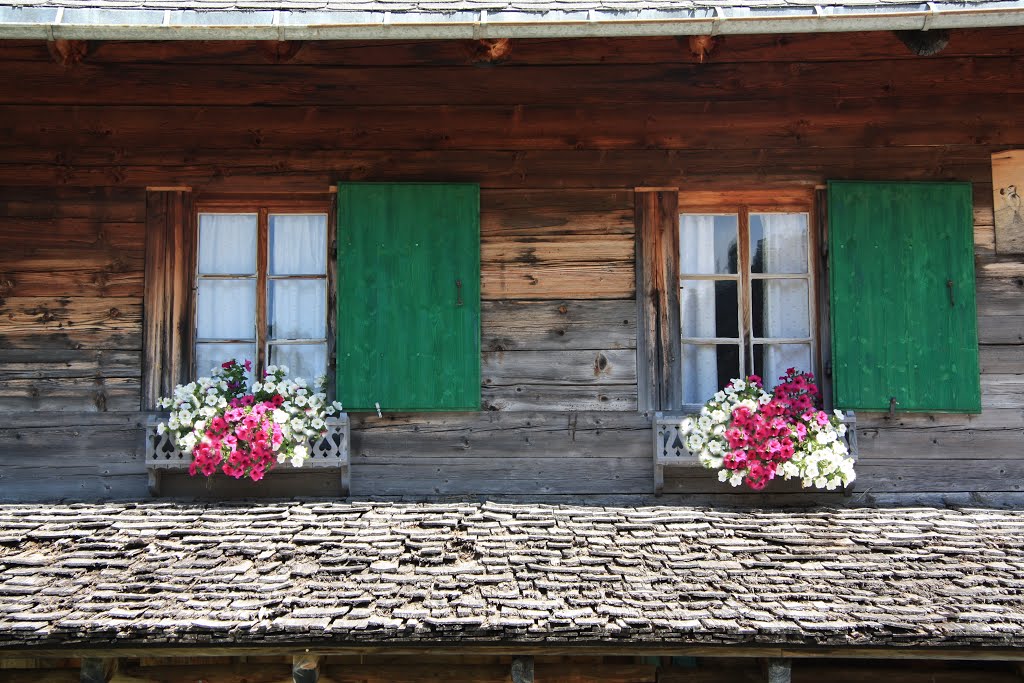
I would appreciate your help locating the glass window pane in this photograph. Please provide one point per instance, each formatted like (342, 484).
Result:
(778, 242)
(227, 244)
(210, 356)
(709, 308)
(780, 308)
(226, 309)
(298, 244)
(707, 244)
(308, 361)
(772, 360)
(706, 369)
(297, 309)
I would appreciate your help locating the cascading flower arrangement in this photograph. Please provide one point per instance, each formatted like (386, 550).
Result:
(242, 434)
(752, 436)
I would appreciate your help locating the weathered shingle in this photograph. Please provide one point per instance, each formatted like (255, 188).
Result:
(274, 573)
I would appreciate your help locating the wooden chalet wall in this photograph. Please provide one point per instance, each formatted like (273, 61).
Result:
(558, 135)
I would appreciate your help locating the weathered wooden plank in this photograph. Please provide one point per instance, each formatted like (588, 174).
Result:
(71, 322)
(1002, 359)
(940, 444)
(70, 393)
(52, 483)
(67, 418)
(566, 324)
(72, 281)
(579, 280)
(540, 212)
(575, 434)
(30, 236)
(64, 363)
(526, 397)
(793, 122)
(291, 84)
(80, 445)
(1000, 266)
(1000, 296)
(58, 201)
(1002, 391)
(256, 171)
(611, 366)
(510, 476)
(564, 250)
(991, 418)
(1001, 329)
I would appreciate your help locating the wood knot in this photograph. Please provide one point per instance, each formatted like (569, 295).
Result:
(563, 309)
(600, 364)
(114, 313)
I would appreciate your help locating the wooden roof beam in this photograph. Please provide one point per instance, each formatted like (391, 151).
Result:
(488, 50)
(68, 52)
(924, 43)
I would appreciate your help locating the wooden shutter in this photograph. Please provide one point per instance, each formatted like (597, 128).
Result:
(901, 275)
(167, 303)
(408, 296)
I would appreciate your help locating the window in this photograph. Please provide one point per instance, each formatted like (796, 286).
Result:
(229, 278)
(261, 289)
(746, 292)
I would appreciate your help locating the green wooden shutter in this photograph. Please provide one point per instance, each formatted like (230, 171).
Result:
(901, 275)
(408, 296)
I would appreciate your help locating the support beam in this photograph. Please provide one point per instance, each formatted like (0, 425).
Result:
(522, 670)
(489, 50)
(924, 43)
(779, 671)
(281, 51)
(68, 52)
(701, 47)
(306, 668)
(97, 670)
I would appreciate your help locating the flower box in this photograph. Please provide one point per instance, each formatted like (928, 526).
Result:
(670, 449)
(329, 452)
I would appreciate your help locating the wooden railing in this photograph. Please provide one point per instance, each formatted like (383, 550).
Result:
(670, 447)
(329, 452)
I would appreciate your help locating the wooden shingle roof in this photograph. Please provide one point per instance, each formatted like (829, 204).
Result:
(343, 574)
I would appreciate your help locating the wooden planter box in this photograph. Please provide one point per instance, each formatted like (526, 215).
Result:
(330, 452)
(670, 449)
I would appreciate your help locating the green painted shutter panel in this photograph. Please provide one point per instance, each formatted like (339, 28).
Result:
(901, 276)
(408, 296)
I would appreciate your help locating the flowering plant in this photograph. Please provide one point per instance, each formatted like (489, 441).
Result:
(245, 434)
(751, 436)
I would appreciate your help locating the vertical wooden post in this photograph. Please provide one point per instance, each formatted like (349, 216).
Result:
(97, 670)
(522, 670)
(779, 670)
(659, 362)
(167, 298)
(306, 668)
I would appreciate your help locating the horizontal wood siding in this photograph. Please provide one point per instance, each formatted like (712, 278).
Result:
(558, 136)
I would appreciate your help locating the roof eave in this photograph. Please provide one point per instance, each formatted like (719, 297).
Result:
(148, 24)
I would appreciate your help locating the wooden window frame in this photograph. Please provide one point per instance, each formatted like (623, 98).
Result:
(659, 324)
(263, 207)
(742, 204)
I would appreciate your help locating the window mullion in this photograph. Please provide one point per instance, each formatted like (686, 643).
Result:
(262, 242)
(745, 312)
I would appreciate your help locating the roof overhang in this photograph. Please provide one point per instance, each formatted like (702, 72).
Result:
(149, 23)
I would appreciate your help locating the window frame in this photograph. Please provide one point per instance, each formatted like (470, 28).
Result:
(263, 206)
(743, 203)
